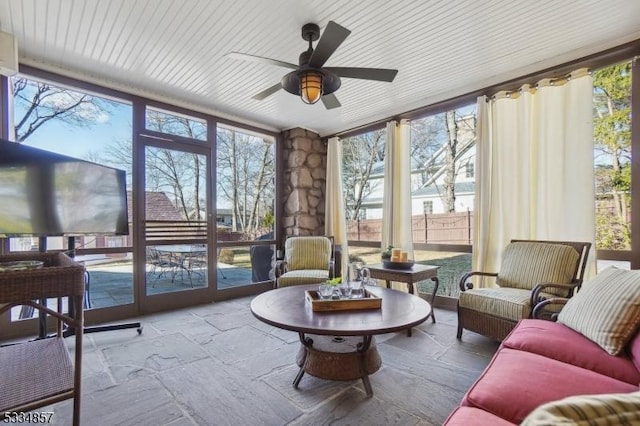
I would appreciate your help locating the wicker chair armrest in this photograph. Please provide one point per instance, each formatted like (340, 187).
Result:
(539, 308)
(535, 293)
(281, 267)
(464, 285)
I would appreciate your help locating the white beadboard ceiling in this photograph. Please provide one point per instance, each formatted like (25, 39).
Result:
(174, 51)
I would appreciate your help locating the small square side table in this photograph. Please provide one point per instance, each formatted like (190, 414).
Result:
(411, 276)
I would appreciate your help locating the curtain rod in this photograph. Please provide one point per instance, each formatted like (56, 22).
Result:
(555, 81)
(606, 57)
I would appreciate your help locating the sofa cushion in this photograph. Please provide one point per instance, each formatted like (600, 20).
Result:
(607, 409)
(526, 264)
(465, 416)
(509, 303)
(516, 382)
(606, 309)
(561, 343)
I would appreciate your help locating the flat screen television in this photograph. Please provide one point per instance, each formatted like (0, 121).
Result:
(48, 194)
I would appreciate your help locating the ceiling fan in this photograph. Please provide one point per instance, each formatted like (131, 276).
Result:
(310, 80)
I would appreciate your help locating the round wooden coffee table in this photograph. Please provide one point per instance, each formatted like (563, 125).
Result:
(339, 345)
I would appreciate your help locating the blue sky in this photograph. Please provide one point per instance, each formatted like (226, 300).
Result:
(79, 142)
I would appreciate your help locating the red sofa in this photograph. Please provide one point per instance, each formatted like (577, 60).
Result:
(539, 362)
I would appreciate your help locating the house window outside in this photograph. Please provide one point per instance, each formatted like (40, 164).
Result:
(469, 170)
(427, 207)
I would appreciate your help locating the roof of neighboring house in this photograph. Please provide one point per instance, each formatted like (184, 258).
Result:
(377, 170)
(460, 188)
(432, 190)
(158, 207)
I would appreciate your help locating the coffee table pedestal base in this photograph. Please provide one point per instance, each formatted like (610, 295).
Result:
(338, 358)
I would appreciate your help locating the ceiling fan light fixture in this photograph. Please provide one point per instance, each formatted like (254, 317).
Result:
(311, 86)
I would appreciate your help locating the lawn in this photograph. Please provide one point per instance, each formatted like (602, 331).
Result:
(452, 267)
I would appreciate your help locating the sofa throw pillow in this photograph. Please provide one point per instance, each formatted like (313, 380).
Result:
(527, 264)
(607, 309)
(606, 409)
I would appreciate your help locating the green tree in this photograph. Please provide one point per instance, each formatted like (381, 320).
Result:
(612, 143)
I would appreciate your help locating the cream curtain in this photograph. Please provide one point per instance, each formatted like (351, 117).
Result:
(535, 175)
(396, 204)
(334, 220)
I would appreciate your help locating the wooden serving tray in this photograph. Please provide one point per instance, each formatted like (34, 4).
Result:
(369, 301)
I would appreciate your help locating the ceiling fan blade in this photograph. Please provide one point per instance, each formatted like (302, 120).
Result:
(260, 59)
(332, 37)
(378, 74)
(267, 92)
(330, 101)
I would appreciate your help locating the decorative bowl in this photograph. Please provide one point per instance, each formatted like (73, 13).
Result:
(398, 265)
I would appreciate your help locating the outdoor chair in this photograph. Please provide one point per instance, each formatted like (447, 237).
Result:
(160, 262)
(307, 260)
(530, 272)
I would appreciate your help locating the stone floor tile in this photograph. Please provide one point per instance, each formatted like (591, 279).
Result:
(238, 344)
(216, 396)
(352, 407)
(145, 357)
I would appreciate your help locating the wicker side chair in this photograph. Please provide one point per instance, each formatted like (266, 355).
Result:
(307, 260)
(531, 271)
(40, 372)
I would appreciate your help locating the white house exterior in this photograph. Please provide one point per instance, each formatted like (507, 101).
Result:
(427, 188)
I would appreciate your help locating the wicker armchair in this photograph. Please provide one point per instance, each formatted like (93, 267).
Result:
(531, 271)
(307, 260)
(548, 309)
(40, 372)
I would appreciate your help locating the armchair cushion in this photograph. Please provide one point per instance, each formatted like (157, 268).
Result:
(302, 277)
(526, 264)
(307, 253)
(510, 303)
(606, 309)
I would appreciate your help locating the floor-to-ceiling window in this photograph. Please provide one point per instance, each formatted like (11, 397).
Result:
(442, 193)
(443, 176)
(245, 208)
(83, 125)
(612, 162)
(170, 256)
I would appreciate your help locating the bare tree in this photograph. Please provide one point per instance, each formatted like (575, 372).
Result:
(451, 148)
(439, 144)
(192, 129)
(37, 103)
(245, 178)
(362, 158)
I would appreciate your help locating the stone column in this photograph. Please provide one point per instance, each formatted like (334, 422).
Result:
(304, 176)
